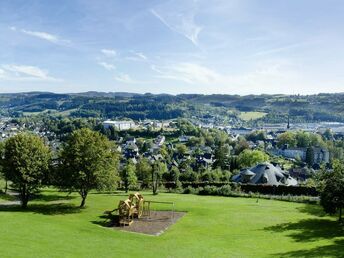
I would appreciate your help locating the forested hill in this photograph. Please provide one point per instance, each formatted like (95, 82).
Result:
(311, 108)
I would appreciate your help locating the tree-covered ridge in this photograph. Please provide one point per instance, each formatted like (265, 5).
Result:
(311, 108)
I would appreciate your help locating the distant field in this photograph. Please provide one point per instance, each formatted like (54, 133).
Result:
(213, 227)
(53, 111)
(246, 116)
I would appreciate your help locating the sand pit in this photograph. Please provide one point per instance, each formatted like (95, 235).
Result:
(155, 224)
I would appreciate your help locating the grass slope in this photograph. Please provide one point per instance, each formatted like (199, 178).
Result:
(214, 227)
(247, 116)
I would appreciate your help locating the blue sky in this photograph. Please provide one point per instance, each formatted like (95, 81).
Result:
(176, 46)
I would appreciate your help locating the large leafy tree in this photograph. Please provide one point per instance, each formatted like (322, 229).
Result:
(332, 190)
(128, 175)
(286, 138)
(26, 162)
(88, 161)
(159, 168)
(144, 171)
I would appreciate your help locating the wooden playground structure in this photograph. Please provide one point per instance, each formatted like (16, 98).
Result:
(135, 207)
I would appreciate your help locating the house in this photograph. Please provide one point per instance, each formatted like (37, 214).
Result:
(159, 140)
(184, 138)
(264, 173)
(320, 155)
(206, 160)
(119, 125)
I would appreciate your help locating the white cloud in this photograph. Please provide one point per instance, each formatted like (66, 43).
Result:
(125, 78)
(141, 55)
(24, 72)
(43, 35)
(107, 66)
(109, 52)
(188, 72)
(180, 21)
(272, 76)
(137, 56)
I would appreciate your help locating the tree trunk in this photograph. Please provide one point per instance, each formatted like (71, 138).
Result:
(154, 183)
(24, 201)
(340, 214)
(6, 186)
(24, 197)
(83, 200)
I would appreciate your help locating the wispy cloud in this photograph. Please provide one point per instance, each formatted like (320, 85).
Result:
(189, 73)
(43, 35)
(107, 66)
(141, 55)
(125, 78)
(182, 22)
(137, 56)
(280, 49)
(109, 52)
(13, 72)
(263, 77)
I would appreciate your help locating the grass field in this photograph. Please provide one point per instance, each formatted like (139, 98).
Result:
(247, 116)
(213, 227)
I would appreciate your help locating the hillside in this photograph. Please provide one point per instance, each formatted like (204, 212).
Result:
(224, 108)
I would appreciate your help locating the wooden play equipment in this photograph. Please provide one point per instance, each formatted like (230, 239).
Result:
(130, 209)
(135, 207)
(125, 212)
(137, 203)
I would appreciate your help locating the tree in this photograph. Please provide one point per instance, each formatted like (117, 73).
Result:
(303, 139)
(144, 171)
(128, 176)
(310, 156)
(173, 176)
(248, 158)
(181, 149)
(159, 168)
(188, 176)
(88, 161)
(26, 162)
(2, 149)
(286, 138)
(222, 154)
(332, 190)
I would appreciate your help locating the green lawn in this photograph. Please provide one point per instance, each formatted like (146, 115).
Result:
(247, 116)
(213, 227)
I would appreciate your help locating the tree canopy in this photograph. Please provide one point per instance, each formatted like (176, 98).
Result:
(249, 158)
(88, 161)
(26, 164)
(332, 190)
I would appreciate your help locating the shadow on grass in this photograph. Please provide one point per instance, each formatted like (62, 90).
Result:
(107, 220)
(334, 250)
(7, 197)
(310, 230)
(45, 209)
(312, 209)
(51, 197)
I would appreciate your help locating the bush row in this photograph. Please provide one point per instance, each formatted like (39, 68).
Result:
(262, 189)
(227, 190)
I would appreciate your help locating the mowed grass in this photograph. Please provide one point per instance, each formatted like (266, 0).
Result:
(247, 116)
(54, 226)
